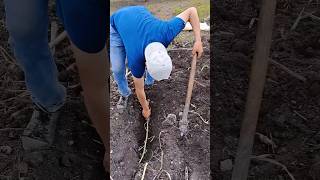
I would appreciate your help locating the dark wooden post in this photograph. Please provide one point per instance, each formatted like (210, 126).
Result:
(256, 86)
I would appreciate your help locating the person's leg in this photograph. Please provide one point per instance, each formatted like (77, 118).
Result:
(93, 76)
(118, 68)
(148, 79)
(118, 62)
(27, 23)
(86, 24)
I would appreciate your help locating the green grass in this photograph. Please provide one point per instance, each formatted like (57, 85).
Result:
(175, 7)
(177, 10)
(203, 8)
(149, 6)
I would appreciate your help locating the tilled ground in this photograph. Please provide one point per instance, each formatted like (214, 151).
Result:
(77, 152)
(176, 155)
(290, 107)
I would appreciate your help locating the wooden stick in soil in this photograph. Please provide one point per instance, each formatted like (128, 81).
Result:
(256, 86)
(183, 125)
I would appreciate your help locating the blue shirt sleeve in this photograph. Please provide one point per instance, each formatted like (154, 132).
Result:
(137, 70)
(175, 26)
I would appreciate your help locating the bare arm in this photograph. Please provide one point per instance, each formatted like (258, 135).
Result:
(139, 86)
(191, 15)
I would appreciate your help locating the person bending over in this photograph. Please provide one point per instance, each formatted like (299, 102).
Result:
(141, 38)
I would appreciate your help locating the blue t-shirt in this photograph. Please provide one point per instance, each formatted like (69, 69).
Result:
(137, 28)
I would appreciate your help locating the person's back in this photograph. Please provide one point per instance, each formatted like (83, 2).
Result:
(138, 28)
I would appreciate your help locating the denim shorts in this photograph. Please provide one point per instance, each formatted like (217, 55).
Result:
(115, 39)
(85, 22)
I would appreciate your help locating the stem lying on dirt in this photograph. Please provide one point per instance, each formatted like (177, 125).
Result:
(168, 174)
(144, 171)
(161, 165)
(161, 161)
(54, 31)
(58, 39)
(266, 140)
(272, 161)
(21, 95)
(11, 129)
(300, 16)
(7, 56)
(193, 112)
(290, 72)
(184, 49)
(145, 141)
(186, 173)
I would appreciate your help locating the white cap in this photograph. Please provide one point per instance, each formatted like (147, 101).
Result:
(158, 62)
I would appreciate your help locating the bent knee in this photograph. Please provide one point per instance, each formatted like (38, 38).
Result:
(117, 68)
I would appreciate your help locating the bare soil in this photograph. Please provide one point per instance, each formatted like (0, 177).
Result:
(77, 152)
(290, 108)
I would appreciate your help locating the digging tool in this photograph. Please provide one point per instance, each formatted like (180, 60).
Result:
(183, 125)
(256, 86)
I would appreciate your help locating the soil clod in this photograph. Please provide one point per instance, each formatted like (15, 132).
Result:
(226, 165)
(170, 120)
(241, 46)
(6, 149)
(23, 168)
(34, 158)
(68, 160)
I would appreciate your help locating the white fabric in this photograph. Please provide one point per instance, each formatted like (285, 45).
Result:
(203, 27)
(158, 62)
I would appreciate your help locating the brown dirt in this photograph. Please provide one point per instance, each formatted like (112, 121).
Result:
(290, 108)
(167, 97)
(76, 151)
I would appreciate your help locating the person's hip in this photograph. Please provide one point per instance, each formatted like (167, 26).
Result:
(86, 23)
(115, 39)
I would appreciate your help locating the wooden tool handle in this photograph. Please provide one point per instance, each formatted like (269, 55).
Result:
(191, 80)
(256, 86)
(184, 121)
